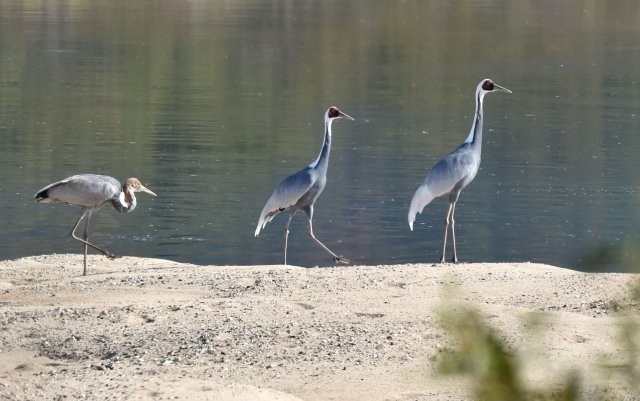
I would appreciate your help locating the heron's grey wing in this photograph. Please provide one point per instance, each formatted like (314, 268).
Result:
(285, 195)
(81, 190)
(456, 170)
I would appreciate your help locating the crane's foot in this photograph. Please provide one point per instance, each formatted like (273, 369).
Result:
(341, 260)
(111, 256)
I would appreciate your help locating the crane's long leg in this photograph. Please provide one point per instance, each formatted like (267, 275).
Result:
(447, 221)
(86, 247)
(453, 234)
(286, 237)
(86, 242)
(336, 258)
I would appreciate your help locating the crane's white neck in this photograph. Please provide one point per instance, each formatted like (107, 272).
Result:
(126, 201)
(324, 151)
(476, 127)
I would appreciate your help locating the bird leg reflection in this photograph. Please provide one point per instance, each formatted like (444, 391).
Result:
(336, 258)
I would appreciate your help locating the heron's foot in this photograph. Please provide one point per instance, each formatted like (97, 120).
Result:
(454, 260)
(339, 259)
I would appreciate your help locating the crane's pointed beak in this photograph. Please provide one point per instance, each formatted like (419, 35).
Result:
(497, 87)
(147, 190)
(347, 116)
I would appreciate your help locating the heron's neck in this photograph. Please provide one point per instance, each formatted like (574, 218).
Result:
(475, 135)
(322, 160)
(125, 202)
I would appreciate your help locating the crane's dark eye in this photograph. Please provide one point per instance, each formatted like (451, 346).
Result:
(488, 85)
(333, 112)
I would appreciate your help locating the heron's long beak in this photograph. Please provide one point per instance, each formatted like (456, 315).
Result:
(500, 88)
(347, 116)
(147, 190)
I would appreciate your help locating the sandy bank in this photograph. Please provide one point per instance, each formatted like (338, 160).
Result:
(154, 329)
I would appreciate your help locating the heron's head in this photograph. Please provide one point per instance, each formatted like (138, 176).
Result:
(487, 85)
(333, 113)
(134, 185)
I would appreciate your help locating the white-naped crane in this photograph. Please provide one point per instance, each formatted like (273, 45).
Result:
(455, 171)
(91, 192)
(301, 190)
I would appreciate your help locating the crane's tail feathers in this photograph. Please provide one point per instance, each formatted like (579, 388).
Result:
(263, 222)
(42, 196)
(264, 219)
(41, 199)
(421, 198)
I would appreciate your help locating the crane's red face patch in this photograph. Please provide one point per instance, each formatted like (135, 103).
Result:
(488, 85)
(334, 112)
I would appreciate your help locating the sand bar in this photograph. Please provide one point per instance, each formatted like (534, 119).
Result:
(150, 329)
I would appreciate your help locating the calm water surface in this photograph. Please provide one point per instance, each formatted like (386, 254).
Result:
(212, 103)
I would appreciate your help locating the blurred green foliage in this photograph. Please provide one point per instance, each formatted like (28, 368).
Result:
(494, 370)
(612, 257)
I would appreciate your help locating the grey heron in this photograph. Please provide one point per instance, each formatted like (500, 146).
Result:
(91, 192)
(455, 171)
(300, 190)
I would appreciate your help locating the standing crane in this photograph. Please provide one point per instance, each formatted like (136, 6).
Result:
(91, 192)
(455, 171)
(300, 190)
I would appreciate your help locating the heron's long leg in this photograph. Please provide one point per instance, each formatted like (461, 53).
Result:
(286, 236)
(453, 234)
(336, 258)
(73, 235)
(447, 220)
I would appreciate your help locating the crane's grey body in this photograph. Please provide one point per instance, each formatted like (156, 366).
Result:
(300, 191)
(91, 192)
(455, 171)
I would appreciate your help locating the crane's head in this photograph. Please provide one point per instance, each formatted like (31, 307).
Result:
(134, 185)
(333, 113)
(487, 85)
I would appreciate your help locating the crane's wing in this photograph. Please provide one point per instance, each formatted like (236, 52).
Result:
(285, 195)
(80, 190)
(455, 171)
